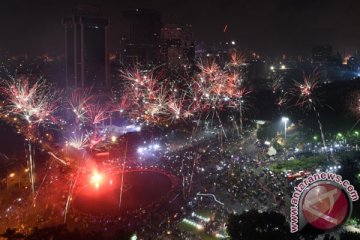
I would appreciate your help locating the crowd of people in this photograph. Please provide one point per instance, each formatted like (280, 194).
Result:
(203, 163)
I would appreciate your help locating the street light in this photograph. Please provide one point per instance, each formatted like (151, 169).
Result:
(285, 120)
(340, 137)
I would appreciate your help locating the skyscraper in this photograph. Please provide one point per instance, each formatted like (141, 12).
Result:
(177, 44)
(321, 54)
(140, 42)
(86, 48)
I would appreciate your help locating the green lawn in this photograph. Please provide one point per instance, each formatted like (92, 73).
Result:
(300, 164)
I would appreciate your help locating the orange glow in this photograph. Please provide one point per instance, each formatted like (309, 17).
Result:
(346, 59)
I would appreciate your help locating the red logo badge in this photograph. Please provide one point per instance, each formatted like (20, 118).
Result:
(325, 206)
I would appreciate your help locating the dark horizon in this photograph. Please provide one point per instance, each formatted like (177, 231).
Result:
(268, 27)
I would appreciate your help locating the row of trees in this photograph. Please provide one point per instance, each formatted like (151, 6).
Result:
(270, 226)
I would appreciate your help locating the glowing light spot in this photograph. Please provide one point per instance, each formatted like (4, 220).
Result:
(96, 179)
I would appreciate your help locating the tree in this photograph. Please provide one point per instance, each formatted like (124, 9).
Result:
(349, 236)
(265, 226)
(253, 225)
(329, 237)
(266, 132)
(61, 232)
(11, 234)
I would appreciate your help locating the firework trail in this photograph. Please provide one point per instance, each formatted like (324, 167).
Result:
(58, 159)
(122, 177)
(124, 103)
(195, 162)
(31, 165)
(184, 179)
(42, 182)
(307, 98)
(98, 113)
(73, 182)
(34, 105)
(320, 126)
(240, 99)
(281, 101)
(354, 106)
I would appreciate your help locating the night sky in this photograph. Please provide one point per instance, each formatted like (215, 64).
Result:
(267, 26)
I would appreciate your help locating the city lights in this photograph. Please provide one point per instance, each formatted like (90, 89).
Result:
(179, 121)
(194, 224)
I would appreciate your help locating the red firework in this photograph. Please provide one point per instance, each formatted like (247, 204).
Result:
(306, 91)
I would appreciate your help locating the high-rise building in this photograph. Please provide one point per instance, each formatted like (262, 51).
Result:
(140, 37)
(218, 50)
(321, 54)
(86, 48)
(177, 44)
(354, 62)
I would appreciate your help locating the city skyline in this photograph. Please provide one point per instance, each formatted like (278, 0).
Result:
(287, 26)
(179, 119)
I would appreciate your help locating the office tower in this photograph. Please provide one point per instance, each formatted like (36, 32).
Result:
(86, 48)
(177, 44)
(140, 38)
(321, 54)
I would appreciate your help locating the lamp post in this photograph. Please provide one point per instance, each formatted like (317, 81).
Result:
(285, 120)
(241, 115)
(356, 133)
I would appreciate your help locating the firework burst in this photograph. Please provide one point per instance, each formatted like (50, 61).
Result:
(306, 91)
(236, 59)
(33, 104)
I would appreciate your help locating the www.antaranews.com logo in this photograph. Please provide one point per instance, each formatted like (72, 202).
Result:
(322, 200)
